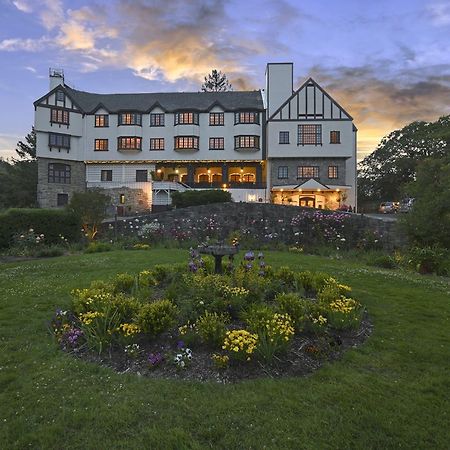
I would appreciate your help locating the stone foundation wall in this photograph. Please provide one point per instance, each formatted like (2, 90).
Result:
(47, 193)
(253, 216)
(136, 201)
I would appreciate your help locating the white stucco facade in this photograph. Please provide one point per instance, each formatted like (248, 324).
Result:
(248, 133)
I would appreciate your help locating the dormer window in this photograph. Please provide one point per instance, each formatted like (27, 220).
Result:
(246, 117)
(157, 119)
(59, 116)
(186, 118)
(130, 118)
(101, 120)
(216, 119)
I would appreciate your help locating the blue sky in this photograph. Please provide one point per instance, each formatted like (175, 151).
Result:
(386, 62)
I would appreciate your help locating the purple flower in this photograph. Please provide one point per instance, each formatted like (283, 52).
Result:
(248, 266)
(155, 359)
(249, 256)
(192, 266)
(180, 344)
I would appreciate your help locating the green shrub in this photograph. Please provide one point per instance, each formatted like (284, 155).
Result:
(203, 197)
(429, 260)
(211, 328)
(256, 316)
(274, 336)
(157, 317)
(384, 261)
(293, 305)
(99, 327)
(98, 247)
(53, 223)
(344, 314)
(124, 282)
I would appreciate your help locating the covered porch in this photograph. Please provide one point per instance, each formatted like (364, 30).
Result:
(310, 194)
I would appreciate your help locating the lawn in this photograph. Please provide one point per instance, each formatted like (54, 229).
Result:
(391, 392)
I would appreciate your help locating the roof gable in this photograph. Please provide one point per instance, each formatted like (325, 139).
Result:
(67, 92)
(310, 102)
(312, 185)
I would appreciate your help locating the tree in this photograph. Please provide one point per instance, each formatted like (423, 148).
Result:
(216, 81)
(384, 174)
(90, 207)
(428, 223)
(18, 177)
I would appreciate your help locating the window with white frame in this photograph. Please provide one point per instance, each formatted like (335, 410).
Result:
(282, 172)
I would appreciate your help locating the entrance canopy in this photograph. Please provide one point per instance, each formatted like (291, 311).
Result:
(309, 185)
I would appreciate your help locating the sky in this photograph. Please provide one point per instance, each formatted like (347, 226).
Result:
(387, 62)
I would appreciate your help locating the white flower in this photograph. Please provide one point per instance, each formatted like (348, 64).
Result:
(31, 230)
(343, 239)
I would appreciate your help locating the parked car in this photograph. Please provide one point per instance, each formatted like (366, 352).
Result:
(389, 207)
(406, 205)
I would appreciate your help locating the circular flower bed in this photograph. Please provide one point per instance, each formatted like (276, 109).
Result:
(185, 321)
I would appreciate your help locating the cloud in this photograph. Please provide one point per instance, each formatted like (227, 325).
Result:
(8, 144)
(27, 45)
(23, 5)
(379, 105)
(439, 13)
(31, 69)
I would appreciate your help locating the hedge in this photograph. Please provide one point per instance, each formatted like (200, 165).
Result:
(50, 222)
(204, 197)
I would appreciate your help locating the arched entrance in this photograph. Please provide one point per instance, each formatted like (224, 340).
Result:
(306, 201)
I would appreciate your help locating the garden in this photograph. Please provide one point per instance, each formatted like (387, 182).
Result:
(386, 390)
(186, 321)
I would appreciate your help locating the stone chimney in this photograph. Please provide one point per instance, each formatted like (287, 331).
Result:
(279, 85)
(56, 78)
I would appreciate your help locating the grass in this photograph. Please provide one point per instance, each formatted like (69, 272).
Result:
(391, 392)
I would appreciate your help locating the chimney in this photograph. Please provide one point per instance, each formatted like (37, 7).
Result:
(279, 85)
(56, 78)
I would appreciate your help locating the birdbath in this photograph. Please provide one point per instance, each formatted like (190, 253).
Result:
(218, 251)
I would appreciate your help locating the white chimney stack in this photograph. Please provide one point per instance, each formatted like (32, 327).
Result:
(279, 85)
(56, 78)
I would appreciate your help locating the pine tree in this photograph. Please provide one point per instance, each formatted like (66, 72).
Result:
(216, 81)
(27, 150)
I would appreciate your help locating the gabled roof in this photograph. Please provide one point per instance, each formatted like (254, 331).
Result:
(293, 107)
(167, 101)
(312, 185)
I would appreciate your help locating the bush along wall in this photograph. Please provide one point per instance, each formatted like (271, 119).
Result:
(205, 197)
(52, 223)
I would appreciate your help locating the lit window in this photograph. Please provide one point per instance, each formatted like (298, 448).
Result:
(156, 143)
(157, 119)
(216, 143)
(59, 140)
(128, 118)
(335, 137)
(141, 175)
(248, 178)
(186, 142)
(59, 173)
(101, 145)
(216, 119)
(101, 120)
(106, 175)
(246, 117)
(307, 172)
(122, 199)
(332, 172)
(246, 142)
(129, 143)
(282, 172)
(310, 135)
(59, 116)
(284, 137)
(186, 118)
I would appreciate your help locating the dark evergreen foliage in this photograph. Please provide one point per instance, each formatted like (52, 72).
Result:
(216, 81)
